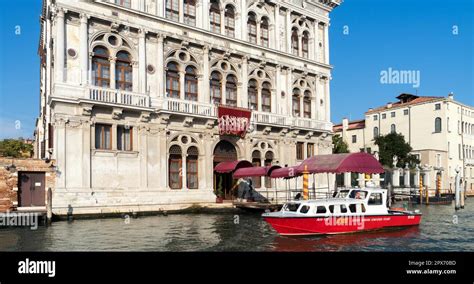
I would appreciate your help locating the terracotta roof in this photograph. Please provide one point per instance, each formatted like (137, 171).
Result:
(355, 124)
(399, 104)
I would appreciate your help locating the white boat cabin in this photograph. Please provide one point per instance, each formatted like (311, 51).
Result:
(347, 202)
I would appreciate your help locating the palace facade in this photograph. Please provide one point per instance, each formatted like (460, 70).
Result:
(131, 90)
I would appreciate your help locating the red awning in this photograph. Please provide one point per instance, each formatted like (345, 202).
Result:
(228, 167)
(255, 171)
(342, 163)
(288, 172)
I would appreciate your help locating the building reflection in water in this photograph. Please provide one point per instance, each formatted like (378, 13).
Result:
(355, 242)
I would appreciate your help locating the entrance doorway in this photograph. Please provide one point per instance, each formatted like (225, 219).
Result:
(223, 183)
(31, 189)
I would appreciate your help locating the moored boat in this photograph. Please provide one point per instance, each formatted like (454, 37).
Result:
(350, 211)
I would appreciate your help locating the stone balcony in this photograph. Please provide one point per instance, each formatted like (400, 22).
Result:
(117, 97)
(112, 97)
(469, 162)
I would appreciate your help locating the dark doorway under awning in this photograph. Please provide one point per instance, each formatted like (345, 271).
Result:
(229, 167)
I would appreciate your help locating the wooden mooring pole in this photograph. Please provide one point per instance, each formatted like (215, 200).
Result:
(457, 185)
(49, 205)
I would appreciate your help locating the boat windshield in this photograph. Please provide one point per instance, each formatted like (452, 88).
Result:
(358, 194)
(292, 207)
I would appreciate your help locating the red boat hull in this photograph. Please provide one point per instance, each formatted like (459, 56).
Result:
(339, 225)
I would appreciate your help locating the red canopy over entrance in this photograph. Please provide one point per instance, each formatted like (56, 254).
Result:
(341, 163)
(288, 172)
(228, 167)
(255, 171)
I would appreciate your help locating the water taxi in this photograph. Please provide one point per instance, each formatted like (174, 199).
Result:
(350, 211)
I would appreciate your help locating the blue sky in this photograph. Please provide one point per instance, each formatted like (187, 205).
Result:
(402, 35)
(399, 34)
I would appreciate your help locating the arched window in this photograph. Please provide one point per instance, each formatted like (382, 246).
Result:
(252, 27)
(438, 125)
(393, 128)
(264, 34)
(191, 84)
(305, 42)
(216, 96)
(253, 94)
(256, 162)
(268, 163)
(266, 97)
(307, 104)
(101, 67)
(294, 42)
(175, 167)
(172, 80)
(192, 177)
(215, 16)
(229, 21)
(231, 91)
(376, 132)
(190, 12)
(123, 71)
(172, 9)
(296, 102)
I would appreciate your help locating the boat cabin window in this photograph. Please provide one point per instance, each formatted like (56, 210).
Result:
(292, 207)
(321, 210)
(343, 193)
(358, 194)
(336, 209)
(343, 208)
(357, 208)
(375, 199)
(304, 209)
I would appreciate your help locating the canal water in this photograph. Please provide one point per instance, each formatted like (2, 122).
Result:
(442, 229)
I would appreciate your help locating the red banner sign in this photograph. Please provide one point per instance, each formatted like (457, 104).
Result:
(233, 121)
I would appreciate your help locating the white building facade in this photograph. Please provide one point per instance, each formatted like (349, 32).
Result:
(130, 93)
(439, 129)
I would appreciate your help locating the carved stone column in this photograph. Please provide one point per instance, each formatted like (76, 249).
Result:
(83, 50)
(60, 42)
(112, 61)
(276, 34)
(160, 67)
(142, 61)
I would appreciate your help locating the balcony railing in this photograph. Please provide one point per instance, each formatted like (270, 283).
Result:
(196, 108)
(117, 97)
(270, 118)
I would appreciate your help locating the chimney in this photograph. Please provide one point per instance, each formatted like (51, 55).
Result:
(371, 109)
(389, 105)
(345, 127)
(451, 96)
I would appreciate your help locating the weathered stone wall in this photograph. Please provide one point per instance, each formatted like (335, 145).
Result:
(9, 178)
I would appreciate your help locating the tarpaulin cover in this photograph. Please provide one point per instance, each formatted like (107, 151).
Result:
(341, 163)
(228, 167)
(288, 172)
(255, 171)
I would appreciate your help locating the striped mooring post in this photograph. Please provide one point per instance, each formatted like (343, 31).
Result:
(421, 189)
(305, 183)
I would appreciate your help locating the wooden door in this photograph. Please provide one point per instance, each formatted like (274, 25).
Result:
(31, 189)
